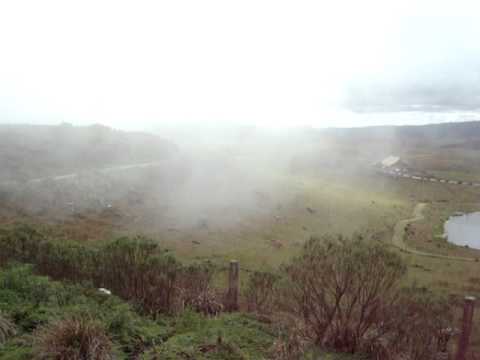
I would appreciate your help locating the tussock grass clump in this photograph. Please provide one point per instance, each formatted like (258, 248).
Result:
(74, 338)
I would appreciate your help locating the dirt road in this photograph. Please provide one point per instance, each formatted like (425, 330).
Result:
(102, 170)
(398, 239)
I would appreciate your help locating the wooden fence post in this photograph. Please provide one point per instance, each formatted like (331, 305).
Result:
(233, 286)
(468, 309)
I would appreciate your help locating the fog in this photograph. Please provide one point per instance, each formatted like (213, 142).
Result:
(231, 95)
(197, 178)
(433, 66)
(269, 63)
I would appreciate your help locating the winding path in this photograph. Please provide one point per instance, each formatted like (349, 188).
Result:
(398, 239)
(105, 170)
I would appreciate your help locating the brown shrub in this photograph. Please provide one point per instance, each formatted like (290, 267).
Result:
(260, 292)
(347, 295)
(207, 302)
(138, 270)
(292, 343)
(419, 324)
(340, 288)
(73, 338)
(194, 289)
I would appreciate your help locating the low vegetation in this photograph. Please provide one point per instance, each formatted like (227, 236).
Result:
(339, 295)
(56, 320)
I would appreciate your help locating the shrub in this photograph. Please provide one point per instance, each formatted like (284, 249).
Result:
(67, 260)
(260, 292)
(137, 269)
(20, 243)
(194, 289)
(74, 338)
(347, 297)
(341, 289)
(418, 325)
(291, 344)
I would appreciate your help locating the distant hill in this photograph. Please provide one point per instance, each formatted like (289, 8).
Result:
(433, 135)
(438, 148)
(30, 151)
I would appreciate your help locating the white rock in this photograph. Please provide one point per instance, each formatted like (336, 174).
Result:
(105, 291)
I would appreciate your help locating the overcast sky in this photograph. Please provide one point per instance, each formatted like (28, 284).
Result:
(139, 64)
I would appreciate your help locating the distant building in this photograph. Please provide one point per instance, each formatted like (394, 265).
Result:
(393, 164)
(390, 161)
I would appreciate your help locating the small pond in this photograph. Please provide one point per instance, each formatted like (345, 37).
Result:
(464, 230)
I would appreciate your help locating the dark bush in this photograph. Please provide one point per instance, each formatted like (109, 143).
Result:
(195, 289)
(260, 292)
(137, 269)
(418, 324)
(340, 289)
(347, 296)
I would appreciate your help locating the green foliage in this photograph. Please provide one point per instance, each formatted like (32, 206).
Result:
(230, 336)
(339, 293)
(20, 243)
(137, 269)
(33, 301)
(16, 351)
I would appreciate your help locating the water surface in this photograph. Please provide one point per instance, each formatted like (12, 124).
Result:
(464, 230)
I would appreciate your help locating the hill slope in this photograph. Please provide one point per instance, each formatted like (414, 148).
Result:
(28, 151)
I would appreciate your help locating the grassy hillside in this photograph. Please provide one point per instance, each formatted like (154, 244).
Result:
(256, 202)
(29, 151)
(446, 150)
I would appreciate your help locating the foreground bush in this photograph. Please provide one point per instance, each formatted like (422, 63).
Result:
(135, 269)
(75, 338)
(345, 295)
(195, 289)
(138, 270)
(417, 325)
(341, 289)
